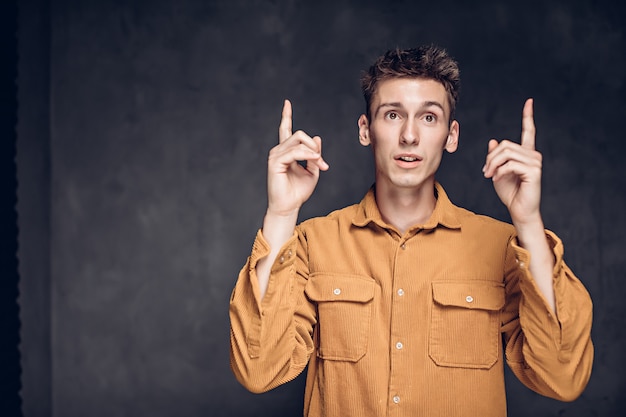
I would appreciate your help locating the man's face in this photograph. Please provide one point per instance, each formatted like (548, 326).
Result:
(408, 131)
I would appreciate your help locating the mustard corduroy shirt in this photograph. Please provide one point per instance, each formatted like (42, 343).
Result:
(418, 324)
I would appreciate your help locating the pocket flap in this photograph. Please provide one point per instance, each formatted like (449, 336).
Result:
(329, 287)
(483, 295)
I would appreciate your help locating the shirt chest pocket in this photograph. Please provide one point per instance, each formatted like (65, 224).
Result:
(465, 323)
(344, 305)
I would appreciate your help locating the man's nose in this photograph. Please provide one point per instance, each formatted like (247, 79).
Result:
(409, 134)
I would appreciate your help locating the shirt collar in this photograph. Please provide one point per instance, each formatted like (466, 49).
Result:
(444, 213)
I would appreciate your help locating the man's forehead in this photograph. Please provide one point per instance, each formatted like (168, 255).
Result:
(407, 91)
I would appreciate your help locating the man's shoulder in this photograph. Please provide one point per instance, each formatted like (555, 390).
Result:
(470, 219)
(342, 215)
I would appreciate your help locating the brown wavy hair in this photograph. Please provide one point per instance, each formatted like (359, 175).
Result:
(430, 62)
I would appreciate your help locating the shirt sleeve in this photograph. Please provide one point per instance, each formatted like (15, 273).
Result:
(271, 339)
(551, 354)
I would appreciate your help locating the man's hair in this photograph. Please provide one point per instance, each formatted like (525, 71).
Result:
(429, 62)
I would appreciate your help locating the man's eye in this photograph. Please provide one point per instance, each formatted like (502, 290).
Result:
(429, 118)
(392, 115)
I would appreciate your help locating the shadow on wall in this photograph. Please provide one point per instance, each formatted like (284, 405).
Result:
(9, 330)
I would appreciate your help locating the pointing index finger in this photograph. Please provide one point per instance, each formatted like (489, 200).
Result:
(528, 125)
(284, 130)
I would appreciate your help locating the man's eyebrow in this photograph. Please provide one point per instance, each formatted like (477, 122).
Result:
(433, 103)
(424, 105)
(383, 105)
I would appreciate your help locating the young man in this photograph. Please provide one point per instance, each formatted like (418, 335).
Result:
(405, 304)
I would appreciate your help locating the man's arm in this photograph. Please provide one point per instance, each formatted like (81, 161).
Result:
(550, 351)
(271, 339)
(271, 331)
(550, 355)
(516, 173)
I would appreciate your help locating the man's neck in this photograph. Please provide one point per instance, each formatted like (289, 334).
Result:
(406, 207)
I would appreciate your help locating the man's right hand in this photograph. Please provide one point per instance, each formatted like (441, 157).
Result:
(290, 184)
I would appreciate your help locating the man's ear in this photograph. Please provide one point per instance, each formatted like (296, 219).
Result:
(364, 131)
(452, 142)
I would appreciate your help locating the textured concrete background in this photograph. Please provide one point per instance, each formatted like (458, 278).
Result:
(161, 115)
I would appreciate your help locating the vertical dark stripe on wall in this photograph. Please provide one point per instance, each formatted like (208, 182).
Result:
(9, 311)
(33, 205)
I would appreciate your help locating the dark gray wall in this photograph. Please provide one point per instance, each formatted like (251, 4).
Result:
(161, 115)
(33, 172)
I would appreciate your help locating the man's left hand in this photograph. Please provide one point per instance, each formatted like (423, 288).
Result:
(515, 170)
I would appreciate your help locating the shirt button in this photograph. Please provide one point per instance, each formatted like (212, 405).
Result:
(400, 292)
(336, 291)
(289, 253)
(396, 399)
(403, 246)
(399, 345)
(469, 298)
(282, 259)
